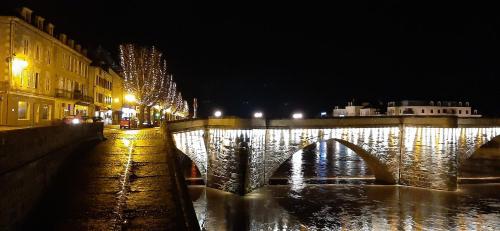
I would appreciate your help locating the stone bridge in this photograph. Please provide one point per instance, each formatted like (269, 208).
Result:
(240, 155)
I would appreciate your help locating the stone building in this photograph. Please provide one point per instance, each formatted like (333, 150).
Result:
(431, 108)
(102, 83)
(42, 78)
(117, 93)
(356, 110)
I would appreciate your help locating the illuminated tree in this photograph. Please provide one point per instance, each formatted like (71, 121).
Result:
(145, 73)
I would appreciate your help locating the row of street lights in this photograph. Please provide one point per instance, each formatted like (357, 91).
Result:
(259, 114)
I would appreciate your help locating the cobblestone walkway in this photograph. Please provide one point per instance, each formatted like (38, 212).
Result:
(121, 183)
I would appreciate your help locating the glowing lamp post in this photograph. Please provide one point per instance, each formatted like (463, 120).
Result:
(130, 98)
(18, 66)
(217, 113)
(257, 115)
(297, 116)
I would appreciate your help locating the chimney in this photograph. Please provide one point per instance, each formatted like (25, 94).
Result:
(39, 22)
(63, 38)
(71, 43)
(26, 14)
(84, 51)
(78, 48)
(50, 28)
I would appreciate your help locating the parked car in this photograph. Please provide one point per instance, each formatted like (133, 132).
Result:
(127, 122)
(97, 119)
(72, 119)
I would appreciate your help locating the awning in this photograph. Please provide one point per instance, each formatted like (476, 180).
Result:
(82, 103)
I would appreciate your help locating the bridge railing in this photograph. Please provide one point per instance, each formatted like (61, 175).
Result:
(386, 121)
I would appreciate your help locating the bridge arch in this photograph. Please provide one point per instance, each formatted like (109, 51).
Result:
(192, 145)
(483, 159)
(378, 147)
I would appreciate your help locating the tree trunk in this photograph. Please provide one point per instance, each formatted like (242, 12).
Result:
(141, 115)
(148, 117)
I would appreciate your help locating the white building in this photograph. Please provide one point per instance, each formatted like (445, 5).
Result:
(353, 110)
(425, 108)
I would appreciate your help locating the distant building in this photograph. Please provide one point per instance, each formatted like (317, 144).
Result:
(430, 108)
(356, 110)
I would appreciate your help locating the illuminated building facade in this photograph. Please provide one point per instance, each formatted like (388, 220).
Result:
(43, 78)
(431, 108)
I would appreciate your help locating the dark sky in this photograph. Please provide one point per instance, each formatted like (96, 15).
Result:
(280, 57)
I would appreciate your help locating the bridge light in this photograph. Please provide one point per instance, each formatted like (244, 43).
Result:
(217, 113)
(297, 115)
(257, 115)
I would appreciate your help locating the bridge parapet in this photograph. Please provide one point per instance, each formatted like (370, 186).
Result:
(340, 122)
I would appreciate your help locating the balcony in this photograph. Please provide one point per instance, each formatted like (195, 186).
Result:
(76, 95)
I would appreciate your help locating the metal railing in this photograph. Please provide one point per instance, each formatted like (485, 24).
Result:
(78, 95)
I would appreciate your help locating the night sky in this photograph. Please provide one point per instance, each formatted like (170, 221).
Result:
(285, 57)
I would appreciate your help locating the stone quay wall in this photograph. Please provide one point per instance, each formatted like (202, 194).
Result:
(29, 160)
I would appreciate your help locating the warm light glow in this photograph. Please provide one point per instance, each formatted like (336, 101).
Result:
(217, 113)
(297, 115)
(169, 110)
(117, 100)
(257, 115)
(157, 107)
(130, 98)
(75, 121)
(18, 65)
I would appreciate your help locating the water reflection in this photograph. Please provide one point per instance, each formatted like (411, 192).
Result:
(323, 162)
(349, 207)
(299, 203)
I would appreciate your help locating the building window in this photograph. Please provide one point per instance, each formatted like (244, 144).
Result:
(26, 47)
(432, 111)
(48, 56)
(47, 84)
(37, 76)
(423, 111)
(467, 112)
(459, 111)
(37, 52)
(445, 111)
(439, 111)
(22, 110)
(45, 112)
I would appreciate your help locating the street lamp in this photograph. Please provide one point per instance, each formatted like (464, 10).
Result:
(130, 98)
(217, 113)
(257, 115)
(18, 65)
(297, 116)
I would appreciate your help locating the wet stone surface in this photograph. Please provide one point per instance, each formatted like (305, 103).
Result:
(121, 183)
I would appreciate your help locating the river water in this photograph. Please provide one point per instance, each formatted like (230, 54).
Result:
(328, 187)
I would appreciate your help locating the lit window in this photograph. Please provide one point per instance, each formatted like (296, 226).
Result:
(22, 110)
(45, 113)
